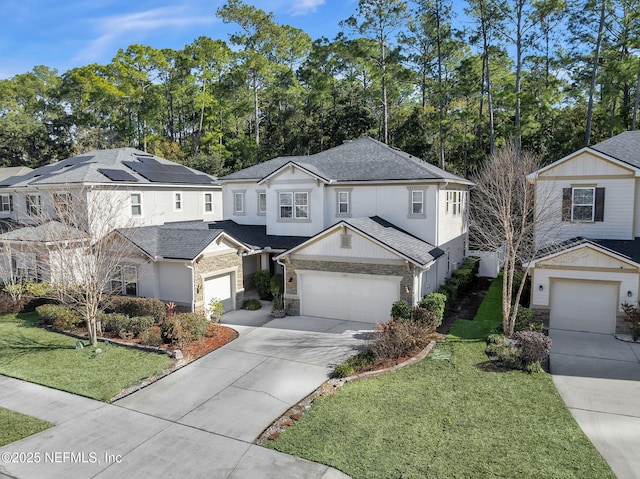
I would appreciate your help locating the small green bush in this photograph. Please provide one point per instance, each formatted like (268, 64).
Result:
(401, 310)
(525, 321)
(132, 306)
(434, 302)
(59, 316)
(276, 284)
(38, 290)
(251, 304)
(152, 337)
(462, 279)
(262, 280)
(124, 326)
(355, 364)
(184, 327)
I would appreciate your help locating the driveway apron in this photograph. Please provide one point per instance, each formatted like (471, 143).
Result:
(197, 422)
(598, 378)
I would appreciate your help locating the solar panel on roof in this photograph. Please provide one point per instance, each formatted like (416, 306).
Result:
(117, 175)
(163, 173)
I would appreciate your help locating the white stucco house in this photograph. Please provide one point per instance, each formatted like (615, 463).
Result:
(589, 260)
(376, 225)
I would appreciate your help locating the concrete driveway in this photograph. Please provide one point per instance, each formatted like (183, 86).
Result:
(198, 422)
(598, 378)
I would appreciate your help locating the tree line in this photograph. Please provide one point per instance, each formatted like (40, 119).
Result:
(553, 75)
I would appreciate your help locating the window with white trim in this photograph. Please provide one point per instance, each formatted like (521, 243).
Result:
(582, 204)
(262, 203)
(62, 203)
(34, 205)
(177, 201)
(238, 202)
(344, 208)
(417, 202)
(454, 202)
(6, 202)
(208, 202)
(136, 204)
(293, 205)
(124, 280)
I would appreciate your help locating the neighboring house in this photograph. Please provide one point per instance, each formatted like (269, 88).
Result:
(589, 263)
(147, 190)
(381, 225)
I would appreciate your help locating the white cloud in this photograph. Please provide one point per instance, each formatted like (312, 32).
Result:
(122, 30)
(304, 7)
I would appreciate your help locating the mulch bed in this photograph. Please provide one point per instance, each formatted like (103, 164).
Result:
(203, 346)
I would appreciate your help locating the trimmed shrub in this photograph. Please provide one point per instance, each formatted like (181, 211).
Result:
(462, 279)
(126, 327)
(262, 280)
(59, 316)
(152, 337)
(132, 306)
(534, 346)
(434, 302)
(251, 304)
(184, 328)
(397, 338)
(632, 316)
(401, 310)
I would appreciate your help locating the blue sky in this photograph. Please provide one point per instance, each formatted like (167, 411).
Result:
(66, 34)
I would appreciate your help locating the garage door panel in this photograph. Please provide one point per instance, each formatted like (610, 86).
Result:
(220, 287)
(589, 306)
(365, 298)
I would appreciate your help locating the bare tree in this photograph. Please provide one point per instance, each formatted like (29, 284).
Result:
(78, 253)
(506, 212)
(16, 269)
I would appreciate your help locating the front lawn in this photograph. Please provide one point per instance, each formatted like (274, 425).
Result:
(40, 356)
(15, 426)
(449, 416)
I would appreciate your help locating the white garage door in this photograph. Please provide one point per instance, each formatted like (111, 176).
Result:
(588, 306)
(220, 287)
(366, 298)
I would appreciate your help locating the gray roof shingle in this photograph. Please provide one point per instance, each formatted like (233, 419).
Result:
(397, 239)
(86, 168)
(364, 159)
(170, 243)
(46, 232)
(624, 147)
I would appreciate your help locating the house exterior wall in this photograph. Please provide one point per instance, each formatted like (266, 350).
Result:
(330, 247)
(292, 299)
(174, 283)
(214, 265)
(250, 216)
(583, 263)
(589, 170)
(452, 223)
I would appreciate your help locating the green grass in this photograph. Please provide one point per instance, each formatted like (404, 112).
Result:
(40, 356)
(449, 416)
(15, 426)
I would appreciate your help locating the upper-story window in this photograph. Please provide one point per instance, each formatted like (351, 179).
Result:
(238, 203)
(177, 201)
(208, 202)
(293, 205)
(262, 203)
(583, 204)
(136, 204)
(6, 202)
(416, 203)
(34, 205)
(62, 203)
(454, 202)
(343, 202)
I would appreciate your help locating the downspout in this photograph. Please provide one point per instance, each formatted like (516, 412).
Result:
(284, 293)
(193, 286)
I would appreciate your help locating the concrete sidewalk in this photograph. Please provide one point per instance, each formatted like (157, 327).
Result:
(598, 378)
(198, 422)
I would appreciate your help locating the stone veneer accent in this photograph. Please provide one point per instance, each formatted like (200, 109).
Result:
(292, 300)
(209, 265)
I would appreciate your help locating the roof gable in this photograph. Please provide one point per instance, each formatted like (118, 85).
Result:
(585, 163)
(593, 253)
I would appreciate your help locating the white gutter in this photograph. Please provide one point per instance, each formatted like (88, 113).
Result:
(193, 286)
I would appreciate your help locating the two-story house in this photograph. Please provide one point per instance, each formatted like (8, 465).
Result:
(124, 187)
(589, 261)
(380, 225)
